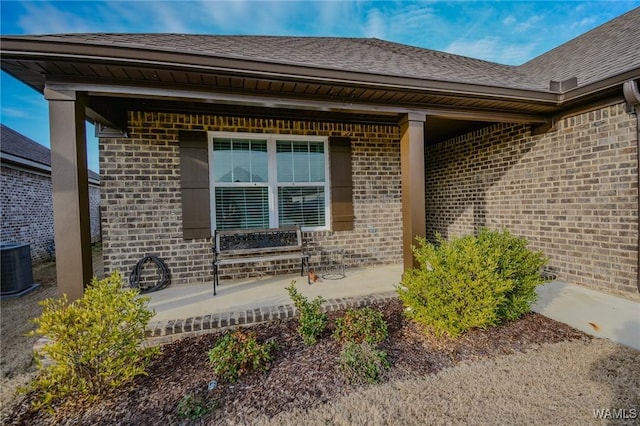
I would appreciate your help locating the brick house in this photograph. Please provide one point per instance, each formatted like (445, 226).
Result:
(26, 194)
(367, 143)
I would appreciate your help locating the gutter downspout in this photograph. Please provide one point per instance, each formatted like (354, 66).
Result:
(632, 97)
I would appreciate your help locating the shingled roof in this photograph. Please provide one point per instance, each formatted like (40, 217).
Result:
(606, 50)
(365, 55)
(18, 145)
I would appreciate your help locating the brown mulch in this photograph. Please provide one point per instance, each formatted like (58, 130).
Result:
(299, 377)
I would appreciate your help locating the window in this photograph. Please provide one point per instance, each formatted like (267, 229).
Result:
(262, 181)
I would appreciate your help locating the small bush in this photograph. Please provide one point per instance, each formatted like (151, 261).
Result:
(362, 363)
(312, 320)
(237, 353)
(471, 282)
(361, 325)
(193, 407)
(95, 342)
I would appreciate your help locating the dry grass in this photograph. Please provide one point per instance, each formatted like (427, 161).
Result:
(16, 363)
(16, 358)
(560, 383)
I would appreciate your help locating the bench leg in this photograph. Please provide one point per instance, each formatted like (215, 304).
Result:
(215, 278)
(305, 262)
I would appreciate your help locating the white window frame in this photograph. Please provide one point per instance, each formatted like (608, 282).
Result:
(272, 168)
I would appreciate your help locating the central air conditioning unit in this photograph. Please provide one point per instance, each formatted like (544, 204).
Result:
(16, 277)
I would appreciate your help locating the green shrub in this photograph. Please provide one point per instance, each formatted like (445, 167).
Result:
(471, 282)
(95, 342)
(361, 325)
(193, 407)
(237, 353)
(312, 320)
(362, 363)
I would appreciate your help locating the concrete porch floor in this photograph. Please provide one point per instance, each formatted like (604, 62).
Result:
(193, 309)
(182, 302)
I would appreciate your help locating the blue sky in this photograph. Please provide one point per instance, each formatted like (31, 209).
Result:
(505, 32)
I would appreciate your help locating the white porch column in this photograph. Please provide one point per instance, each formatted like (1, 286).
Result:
(69, 175)
(412, 169)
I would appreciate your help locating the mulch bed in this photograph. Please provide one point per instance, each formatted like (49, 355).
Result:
(300, 376)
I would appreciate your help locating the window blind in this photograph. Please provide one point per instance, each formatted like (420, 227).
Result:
(302, 206)
(238, 207)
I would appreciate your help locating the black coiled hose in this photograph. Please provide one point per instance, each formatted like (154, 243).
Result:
(164, 277)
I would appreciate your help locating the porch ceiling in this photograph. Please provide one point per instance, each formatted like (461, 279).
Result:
(437, 128)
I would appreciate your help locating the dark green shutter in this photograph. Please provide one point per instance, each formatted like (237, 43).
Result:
(194, 174)
(341, 184)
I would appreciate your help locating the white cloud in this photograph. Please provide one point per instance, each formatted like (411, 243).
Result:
(516, 54)
(374, 25)
(462, 27)
(532, 22)
(257, 17)
(529, 24)
(166, 17)
(580, 8)
(410, 23)
(586, 22)
(45, 18)
(334, 17)
(509, 20)
(480, 49)
(493, 49)
(228, 14)
(412, 18)
(14, 113)
(130, 16)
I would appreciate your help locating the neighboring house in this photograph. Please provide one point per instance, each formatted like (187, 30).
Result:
(25, 187)
(364, 142)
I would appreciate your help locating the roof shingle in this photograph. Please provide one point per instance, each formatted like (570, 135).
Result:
(608, 50)
(364, 55)
(17, 144)
(14, 143)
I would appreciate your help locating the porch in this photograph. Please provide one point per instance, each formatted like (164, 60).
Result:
(183, 311)
(193, 309)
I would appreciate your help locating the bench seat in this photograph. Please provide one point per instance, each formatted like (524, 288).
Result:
(237, 260)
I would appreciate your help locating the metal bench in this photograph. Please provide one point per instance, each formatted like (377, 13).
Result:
(258, 245)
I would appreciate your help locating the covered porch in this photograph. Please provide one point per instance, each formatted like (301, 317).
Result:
(190, 310)
(418, 110)
(194, 308)
(184, 311)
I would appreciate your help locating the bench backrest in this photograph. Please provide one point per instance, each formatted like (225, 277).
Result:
(248, 241)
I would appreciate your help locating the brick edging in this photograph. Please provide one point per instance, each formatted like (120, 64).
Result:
(162, 332)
